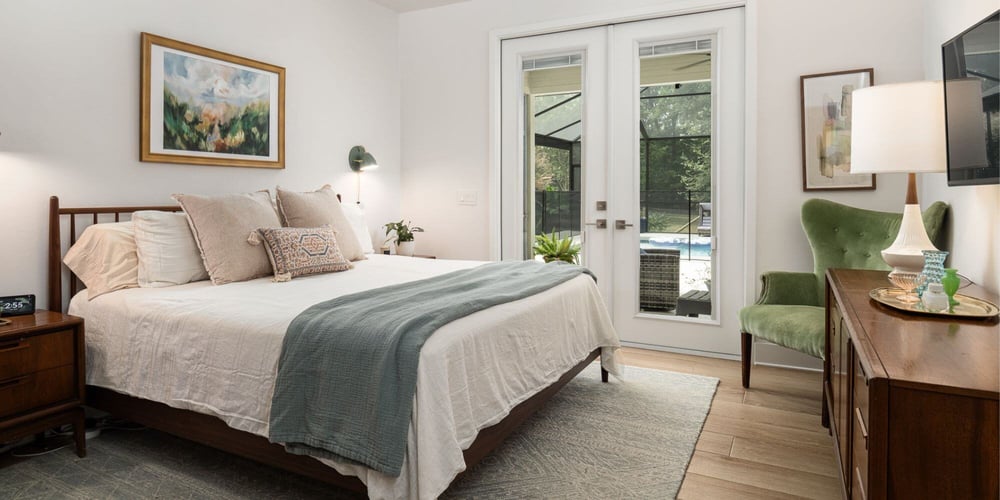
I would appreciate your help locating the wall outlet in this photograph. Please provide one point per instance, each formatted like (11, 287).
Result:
(468, 197)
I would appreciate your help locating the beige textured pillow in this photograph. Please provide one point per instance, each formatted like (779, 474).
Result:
(300, 251)
(168, 254)
(104, 258)
(320, 208)
(222, 226)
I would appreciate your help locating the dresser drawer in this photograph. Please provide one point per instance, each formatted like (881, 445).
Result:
(29, 354)
(862, 406)
(37, 390)
(859, 436)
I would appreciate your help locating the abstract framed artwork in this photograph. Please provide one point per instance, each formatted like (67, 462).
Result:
(205, 107)
(826, 130)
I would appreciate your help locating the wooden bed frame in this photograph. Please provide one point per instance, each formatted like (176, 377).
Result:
(212, 431)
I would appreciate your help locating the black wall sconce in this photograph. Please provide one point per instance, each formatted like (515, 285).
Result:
(360, 161)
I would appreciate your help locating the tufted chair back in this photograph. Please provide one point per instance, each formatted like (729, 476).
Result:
(848, 237)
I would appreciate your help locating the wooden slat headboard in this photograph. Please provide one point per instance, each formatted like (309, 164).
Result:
(56, 250)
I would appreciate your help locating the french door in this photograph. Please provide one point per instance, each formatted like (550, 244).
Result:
(629, 138)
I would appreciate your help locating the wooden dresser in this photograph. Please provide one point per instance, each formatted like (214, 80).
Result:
(913, 399)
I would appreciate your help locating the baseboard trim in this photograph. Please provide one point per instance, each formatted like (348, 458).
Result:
(679, 350)
(790, 367)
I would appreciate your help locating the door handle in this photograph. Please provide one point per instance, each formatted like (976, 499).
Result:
(620, 224)
(599, 223)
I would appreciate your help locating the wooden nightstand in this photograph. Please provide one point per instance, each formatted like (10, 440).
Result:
(42, 376)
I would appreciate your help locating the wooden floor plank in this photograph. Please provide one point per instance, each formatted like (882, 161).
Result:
(775, 398)
(713, 442)
(764, 476)
(762, 442)
(814, 459)
(699, 487)
(761, 414)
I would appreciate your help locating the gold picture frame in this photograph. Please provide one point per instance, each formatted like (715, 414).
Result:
(216, 108)
(826, 130)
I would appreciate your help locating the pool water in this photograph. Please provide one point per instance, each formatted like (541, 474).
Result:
(700, 246)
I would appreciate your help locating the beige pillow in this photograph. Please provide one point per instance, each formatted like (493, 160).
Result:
(319, 208)
(104, 258)
(168, 254)
(300, 251)
(222, 226)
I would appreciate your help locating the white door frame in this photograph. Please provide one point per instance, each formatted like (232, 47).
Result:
(676, 9)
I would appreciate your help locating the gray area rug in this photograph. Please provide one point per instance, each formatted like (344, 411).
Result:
(624, 439)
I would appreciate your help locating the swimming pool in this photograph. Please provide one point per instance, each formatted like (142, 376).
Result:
(700, 246)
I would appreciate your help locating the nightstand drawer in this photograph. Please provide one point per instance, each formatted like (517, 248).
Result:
(21, 356)
(36, 390)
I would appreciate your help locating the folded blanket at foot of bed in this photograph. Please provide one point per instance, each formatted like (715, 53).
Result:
(348, 367)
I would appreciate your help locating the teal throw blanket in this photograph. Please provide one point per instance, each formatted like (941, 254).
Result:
(348, 367)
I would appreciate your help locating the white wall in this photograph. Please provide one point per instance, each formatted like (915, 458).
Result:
(69, 107)
(445, 116)
(444, 66)
(806, 37)
(974, 227)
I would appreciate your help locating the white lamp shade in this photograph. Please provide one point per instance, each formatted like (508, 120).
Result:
(898, 128)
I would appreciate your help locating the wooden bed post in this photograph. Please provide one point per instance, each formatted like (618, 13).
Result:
(55, 257)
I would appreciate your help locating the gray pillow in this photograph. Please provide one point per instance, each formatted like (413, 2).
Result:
(222, 226)
(320, 208)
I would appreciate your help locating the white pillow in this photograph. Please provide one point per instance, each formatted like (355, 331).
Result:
(104, 258)
(168, 254)
(356, 216)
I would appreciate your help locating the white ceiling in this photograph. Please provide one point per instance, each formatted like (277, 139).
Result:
(408, 5)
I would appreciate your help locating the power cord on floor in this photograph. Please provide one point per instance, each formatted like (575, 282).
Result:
(61, 437)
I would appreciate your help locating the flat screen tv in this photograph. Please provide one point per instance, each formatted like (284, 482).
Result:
(972, 103)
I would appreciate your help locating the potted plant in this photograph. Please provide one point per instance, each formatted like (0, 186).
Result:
(404, 236)
(552, 248)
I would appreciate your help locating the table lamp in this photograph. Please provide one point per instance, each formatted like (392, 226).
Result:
(899, 128)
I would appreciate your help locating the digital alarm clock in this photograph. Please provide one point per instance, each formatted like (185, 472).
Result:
(16, 305)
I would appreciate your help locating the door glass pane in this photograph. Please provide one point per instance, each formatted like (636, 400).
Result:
(552, 162)
(675, 178)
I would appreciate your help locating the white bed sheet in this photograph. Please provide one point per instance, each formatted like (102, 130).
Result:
(215, 349)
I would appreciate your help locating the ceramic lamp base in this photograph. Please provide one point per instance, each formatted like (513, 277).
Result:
(905, 255)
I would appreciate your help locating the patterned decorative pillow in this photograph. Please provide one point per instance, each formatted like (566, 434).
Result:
(299, 251)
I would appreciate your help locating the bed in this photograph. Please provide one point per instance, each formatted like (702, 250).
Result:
(198, 360)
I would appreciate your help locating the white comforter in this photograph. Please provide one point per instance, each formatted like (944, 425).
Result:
(214, 350)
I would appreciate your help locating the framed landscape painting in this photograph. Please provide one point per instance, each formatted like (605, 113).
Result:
(826, 130)
(205, 107)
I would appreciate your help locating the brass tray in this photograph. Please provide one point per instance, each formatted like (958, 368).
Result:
(967, 307)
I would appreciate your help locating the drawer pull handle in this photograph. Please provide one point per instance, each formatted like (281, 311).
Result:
(13, 346)
(857, 476)
(861, 425)
(14, 382)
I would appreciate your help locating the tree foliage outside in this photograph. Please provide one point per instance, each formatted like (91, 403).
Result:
(552, 169)
(674, 178)
(223, 129)
(677, 175)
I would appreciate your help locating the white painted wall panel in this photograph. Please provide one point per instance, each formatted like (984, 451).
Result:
(974, 221)
(69, 107)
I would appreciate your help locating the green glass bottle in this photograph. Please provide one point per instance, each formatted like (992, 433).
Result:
(950, 282)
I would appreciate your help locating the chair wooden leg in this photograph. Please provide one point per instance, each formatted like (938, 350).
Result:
(747, 346)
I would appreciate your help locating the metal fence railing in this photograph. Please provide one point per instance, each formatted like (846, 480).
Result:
(660, 211)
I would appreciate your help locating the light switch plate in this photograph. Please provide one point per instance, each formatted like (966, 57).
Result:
(468, 197)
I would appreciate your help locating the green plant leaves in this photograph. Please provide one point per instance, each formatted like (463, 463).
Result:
(553, 248)
(403, 231)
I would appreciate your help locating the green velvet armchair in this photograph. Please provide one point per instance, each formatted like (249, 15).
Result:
(790, 311)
